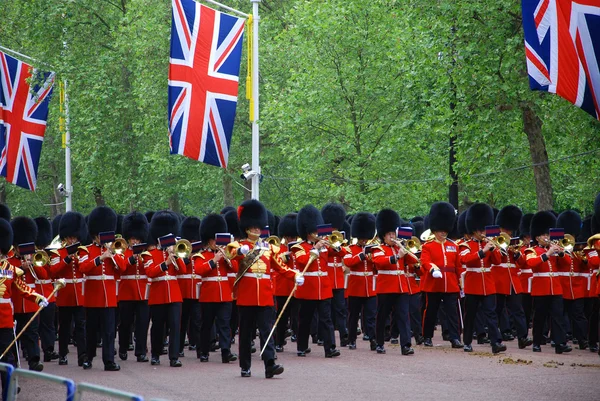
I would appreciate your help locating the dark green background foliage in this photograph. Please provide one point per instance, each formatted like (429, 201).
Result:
(358, 103)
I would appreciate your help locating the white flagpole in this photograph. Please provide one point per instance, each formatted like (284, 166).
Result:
(69, 188)
(255, 135)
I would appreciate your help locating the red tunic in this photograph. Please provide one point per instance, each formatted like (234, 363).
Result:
(478, 272)
(362, 271)
(525, 272)
(10, 284)
(163, 285)
(391, 273)
(506, 275)
(445, 256)
(545, 280)
(26, 304)
(100, 287)
(574, 279)
(283, 284)
(317, 284)
(594, 269)
(335, 267)
(133, 280)
(215, 285)
(44, 286)
(72, 294)
(189, 281)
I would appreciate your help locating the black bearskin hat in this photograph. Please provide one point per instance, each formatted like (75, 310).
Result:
(212, 224)
(149, 214)
(252, 213)
(233, 224)
(272, 223)
(24, 230)
(227, 209)
(163, 223)
(479, 215)
(461, 224)
(4, 212)
(309, 217)
(287, 225)
(101, 219)
(509, 218)
(119, 229)
(334, 214)
(55, 225)
(346, 229)
(363, 226)
(418, 225)
(387, 221)
(442, 216)
(72, 224)
(135, 225)
(6, 236)
(541, 223)
(44, 236)
(525, 226)
(570, 220)
(586, 229)
(190, 229)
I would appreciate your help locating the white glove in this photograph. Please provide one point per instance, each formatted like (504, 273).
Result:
(43, 302)
(299, 279)
(314, 252)
(437, 274)
(243, 250)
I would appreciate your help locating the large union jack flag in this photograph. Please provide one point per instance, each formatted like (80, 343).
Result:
(206, 50)
(562, 45)
(23, 114)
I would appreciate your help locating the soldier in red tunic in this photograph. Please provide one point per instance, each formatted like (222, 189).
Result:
(64, 264)
(546, 259)
(440, 263)
(478, 255)
(233, 227)
(133, 304)
(101, 268)
(215, 296)
(164, 298)
(524, 271)
(253, 289)
(506, 279)
(361, 289)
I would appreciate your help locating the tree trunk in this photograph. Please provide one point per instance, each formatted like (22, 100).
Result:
(532, 125)
(98, 197)
(174, 203)
(228, 199)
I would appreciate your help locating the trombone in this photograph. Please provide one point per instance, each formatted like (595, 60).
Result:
(416, 247)
(502, 241)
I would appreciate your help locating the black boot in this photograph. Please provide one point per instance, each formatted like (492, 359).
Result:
(272, 369)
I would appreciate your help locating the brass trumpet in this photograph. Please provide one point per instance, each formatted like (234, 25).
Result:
(336, 240)
(40, 258)
(502, 241)
(273, 240)
(567, 243)
(400, 244)
(119, 246)
(413, 245)
(183, 248)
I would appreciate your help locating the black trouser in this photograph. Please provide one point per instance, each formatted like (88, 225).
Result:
(67, 315)
(593, 313)
(339, 312)
(514, 305)
(414, 310)
(234, 322)
(219, 314)
(306, 313)
(165, 315)
(190, 318)
(487, 303)
(544, 306)
(6, 337)
(282, 325)
(399, 303)
(573, 308)
(527, 303)
(30, 338)
(47, 328)
(432, 305)
(252, 317)
(100, 321)
(138, 312)
(368, 307)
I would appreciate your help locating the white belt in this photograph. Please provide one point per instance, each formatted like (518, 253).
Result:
(257, 275)
(547, 274)
(5, 301)
(186, 276)
(335, 265)
(134, 277)
(315, 274)
(572, 274)
(101, 277)
(43, 281)
(162, 278)
(527, 271)
(391, 272)
(365, 274)
(478, 269)
(507, 265)
(30, 285)
(218, 278)
(74, 280)
(233, 275)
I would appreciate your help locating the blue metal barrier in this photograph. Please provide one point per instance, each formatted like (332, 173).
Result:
(93, 388)
(13, 384)
(8, 369)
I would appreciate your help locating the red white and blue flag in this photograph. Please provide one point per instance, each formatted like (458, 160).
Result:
(23, 115)
(562, 46)
(206, 50)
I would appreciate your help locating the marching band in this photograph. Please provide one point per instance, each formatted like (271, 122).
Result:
(484, 273)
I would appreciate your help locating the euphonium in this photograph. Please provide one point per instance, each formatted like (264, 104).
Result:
(183, 248)
(119, 246)
(40, 258)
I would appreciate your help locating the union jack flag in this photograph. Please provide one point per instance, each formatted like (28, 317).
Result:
(206, 50)
(562, 46)
(23, 114)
